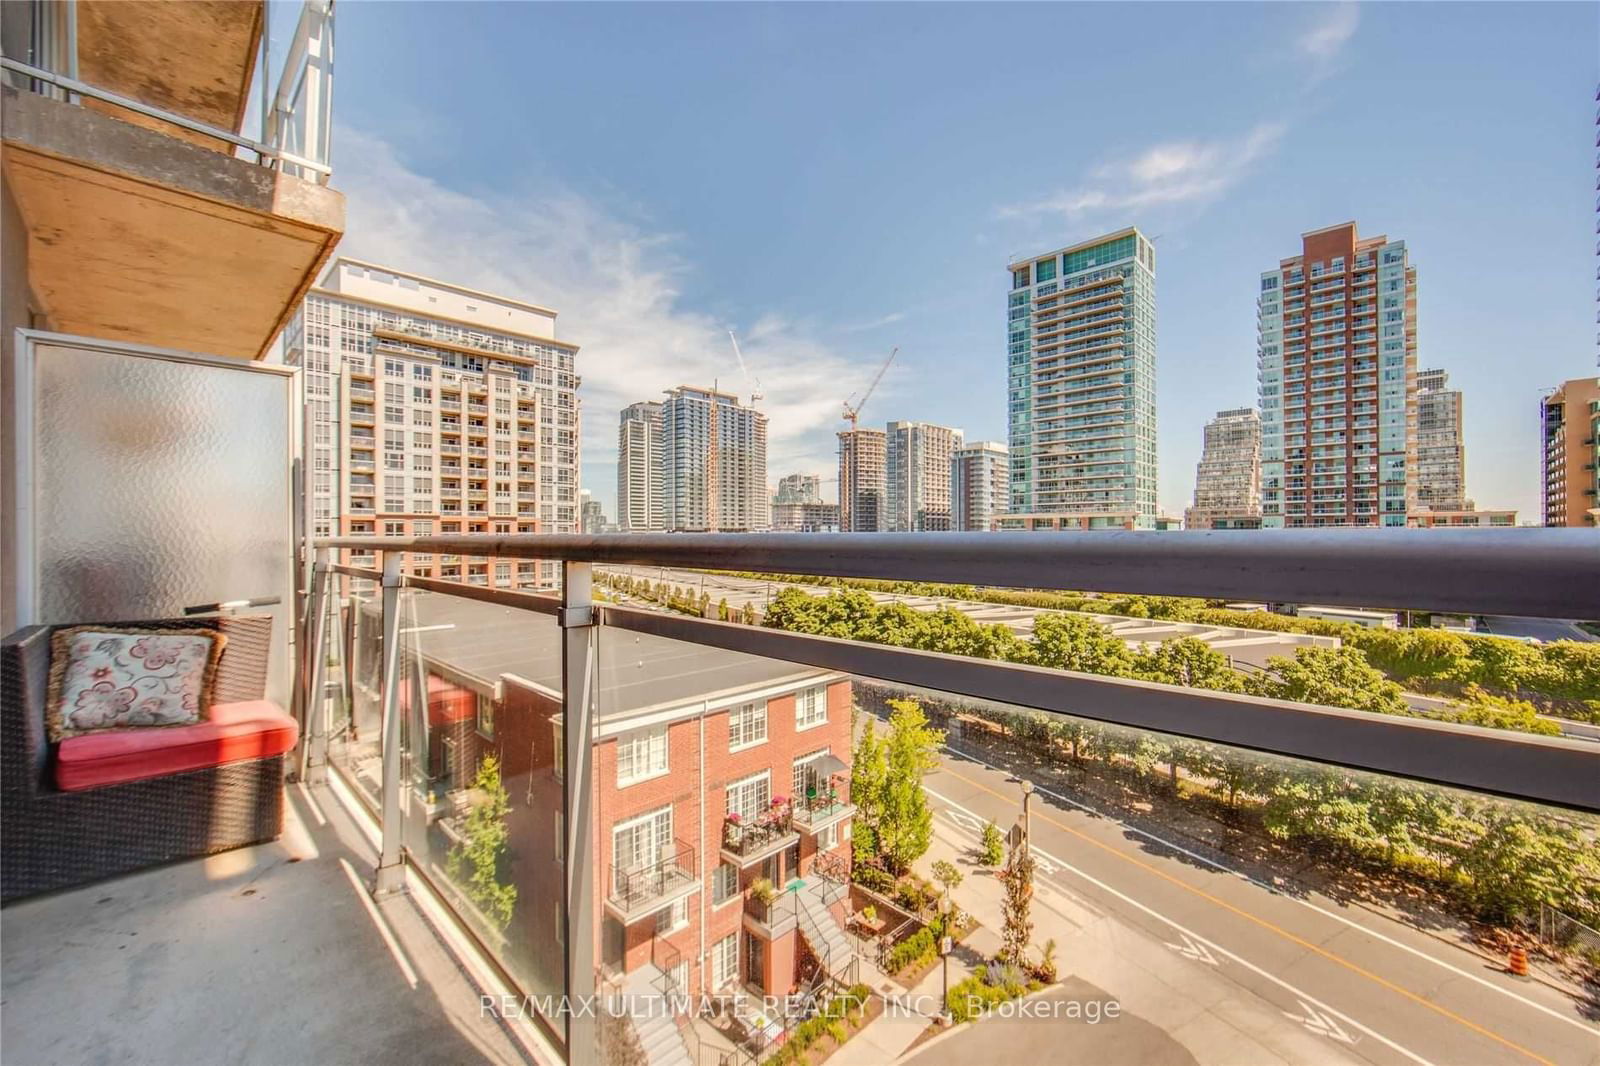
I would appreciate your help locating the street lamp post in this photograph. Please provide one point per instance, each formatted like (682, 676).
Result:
(944, 957)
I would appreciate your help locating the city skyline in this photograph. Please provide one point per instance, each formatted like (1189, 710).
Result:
(649, 274)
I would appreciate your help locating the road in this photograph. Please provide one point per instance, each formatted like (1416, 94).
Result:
(1539, 628)
(1243, 972)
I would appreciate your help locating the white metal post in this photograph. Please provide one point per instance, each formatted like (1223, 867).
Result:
(577, 711)
(391, 878)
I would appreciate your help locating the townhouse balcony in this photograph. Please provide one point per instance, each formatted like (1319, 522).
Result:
(122, 151)
(746, 842)
(771, 918)
(642, 891)
(827, 805)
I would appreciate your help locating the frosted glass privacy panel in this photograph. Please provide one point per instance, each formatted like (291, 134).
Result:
(153, 481)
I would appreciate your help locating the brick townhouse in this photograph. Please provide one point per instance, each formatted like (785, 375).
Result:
(722, 818)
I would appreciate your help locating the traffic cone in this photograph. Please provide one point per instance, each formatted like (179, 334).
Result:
(1518, 965)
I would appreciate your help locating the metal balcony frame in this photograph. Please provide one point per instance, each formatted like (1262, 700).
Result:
(1530, 572)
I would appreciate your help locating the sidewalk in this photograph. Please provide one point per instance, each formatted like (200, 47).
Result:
(1176, 1011)
(887, 1037)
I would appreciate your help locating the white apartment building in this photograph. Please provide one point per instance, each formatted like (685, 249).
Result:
(640, 507)
(434, 408)
(1441, 451)
(862, 488)
(1337, 365)
(917, 476)
(714, 463)
(1227, 480)
(980, 485)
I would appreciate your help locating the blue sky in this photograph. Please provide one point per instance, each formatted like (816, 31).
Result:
(832, 180)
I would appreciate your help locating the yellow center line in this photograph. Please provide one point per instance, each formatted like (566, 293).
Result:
(1263, 923)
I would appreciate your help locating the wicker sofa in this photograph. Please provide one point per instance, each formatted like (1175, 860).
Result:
(55, 837)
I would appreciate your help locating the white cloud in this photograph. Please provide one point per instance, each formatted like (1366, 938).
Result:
(617, 288)
(877, 323)
(1332, 31)
(1177, 172)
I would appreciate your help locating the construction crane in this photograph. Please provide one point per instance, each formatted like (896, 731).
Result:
(853, 410)
(753, 383)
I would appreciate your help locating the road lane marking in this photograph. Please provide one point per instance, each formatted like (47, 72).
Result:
(1191, 950)
(1303, 996)
(1318, 1022)
(1375, 934)
(1269, 926)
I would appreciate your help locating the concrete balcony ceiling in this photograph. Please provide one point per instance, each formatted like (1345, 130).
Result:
(135, 235)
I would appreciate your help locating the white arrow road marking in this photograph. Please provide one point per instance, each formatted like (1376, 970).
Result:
(1321, 1024)
(1190, 950)
(1304, 997)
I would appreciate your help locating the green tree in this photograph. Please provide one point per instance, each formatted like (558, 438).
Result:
(476, 861)
(1016, 929)
(869, 771)
(1333, 677)
(992, 848)
(1520, 862)
(1189, 662)
(722, 609)
(1073, 642)
(905, 827)
(747, 615)
(946, 874)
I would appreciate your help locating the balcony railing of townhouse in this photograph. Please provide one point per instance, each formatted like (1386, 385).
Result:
(638, 890)
(1550, 573)
(296, 118)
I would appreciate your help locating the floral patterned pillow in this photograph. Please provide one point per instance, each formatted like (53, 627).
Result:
(102, 679)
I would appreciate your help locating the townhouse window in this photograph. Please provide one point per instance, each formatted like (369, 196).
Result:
(641, 755)
(747, 725)
(673, 918)
(725, 961)
(486, 715)
(806, 775)
(639, 842)
(749, 796)
(724, 883)
(811, 708)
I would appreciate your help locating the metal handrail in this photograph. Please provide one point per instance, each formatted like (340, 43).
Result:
(631, 887)
(82, 88)
(1541, 573)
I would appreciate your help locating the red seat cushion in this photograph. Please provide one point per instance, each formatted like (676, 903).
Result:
(230, 733)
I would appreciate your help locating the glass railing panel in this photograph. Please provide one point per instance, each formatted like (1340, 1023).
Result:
(482, 779)
(355, 742)
(1196, 885)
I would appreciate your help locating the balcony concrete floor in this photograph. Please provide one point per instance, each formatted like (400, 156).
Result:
(263, 955)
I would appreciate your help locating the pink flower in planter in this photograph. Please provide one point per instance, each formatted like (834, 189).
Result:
(734, 819)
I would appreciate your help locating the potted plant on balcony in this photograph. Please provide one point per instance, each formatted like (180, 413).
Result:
(763, 891)
(733, 831)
